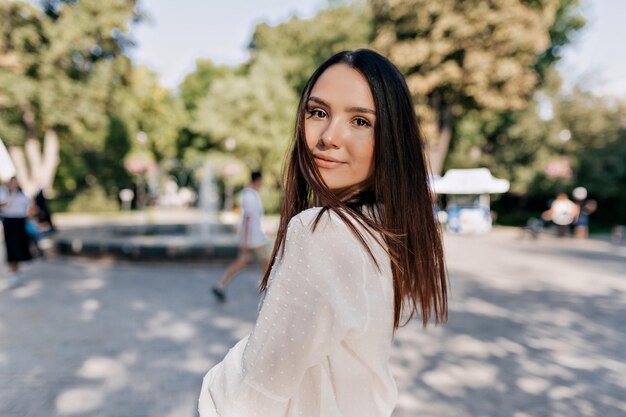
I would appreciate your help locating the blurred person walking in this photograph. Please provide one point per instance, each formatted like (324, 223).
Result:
(563, 212)
(581, 227)
(585, 208)
(252, 241)
(14, 211)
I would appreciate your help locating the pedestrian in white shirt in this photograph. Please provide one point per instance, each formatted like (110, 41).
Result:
(252, 240)
(14, 210)
(357, 249)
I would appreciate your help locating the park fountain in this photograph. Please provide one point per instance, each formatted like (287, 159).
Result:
(195, 233)
(208, 200)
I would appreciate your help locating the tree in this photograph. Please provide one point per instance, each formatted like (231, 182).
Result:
(597, 128)
(194, 88)
(568, 21)
(57, 65)
(255, 110)
(513, 145)
(108, 163)
(197, 83)
(145, 106)
(300, 45)
(470, 55)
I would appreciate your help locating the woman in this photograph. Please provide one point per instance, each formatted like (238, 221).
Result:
(14, 212)
(357, 248)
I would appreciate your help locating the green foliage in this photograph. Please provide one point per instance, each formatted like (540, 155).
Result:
(272, 198)
(54, 65)
(93, 200)
(194, 87)
(602, 169)
(474, 69)
(21, 36)
(197, 83)
(567, 23)
(598, 147)
(299, 46)
(522, 147)
(107, 167)
(145, 106)
(256, 110)
(256, 103)
(512, 145)
(63, 67)
(470, 55)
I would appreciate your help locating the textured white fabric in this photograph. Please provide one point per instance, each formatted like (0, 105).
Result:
(322, 340)
(252, 207)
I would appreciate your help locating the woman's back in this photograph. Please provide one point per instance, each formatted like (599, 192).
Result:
(355, 374)
(322, 341)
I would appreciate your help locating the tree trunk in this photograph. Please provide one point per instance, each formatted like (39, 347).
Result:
(23, 174)
(21, 170)
(51, 159)
(7, 167)
(40, 170)
(437, 154)
(28, 118)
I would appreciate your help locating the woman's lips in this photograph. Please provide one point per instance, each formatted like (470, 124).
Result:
(323, 163)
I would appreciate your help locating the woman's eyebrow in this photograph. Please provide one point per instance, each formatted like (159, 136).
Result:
(318, 100)
(349, 109)
(360, 110)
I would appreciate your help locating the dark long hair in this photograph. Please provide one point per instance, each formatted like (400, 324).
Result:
(397, 192)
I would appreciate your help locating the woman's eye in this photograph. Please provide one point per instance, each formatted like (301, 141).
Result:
(361, 122)
(319, 113)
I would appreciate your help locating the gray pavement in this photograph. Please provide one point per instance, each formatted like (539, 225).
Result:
(537, 328)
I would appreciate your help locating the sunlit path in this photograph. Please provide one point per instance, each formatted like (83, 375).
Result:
(534, 330)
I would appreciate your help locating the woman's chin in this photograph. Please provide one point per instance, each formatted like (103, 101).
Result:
(335, 185)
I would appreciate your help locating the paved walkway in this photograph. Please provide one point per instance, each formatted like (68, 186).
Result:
(536, 329)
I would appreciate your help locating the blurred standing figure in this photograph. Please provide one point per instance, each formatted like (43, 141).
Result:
(252, 240)
(582, 223)
(43, 215)
(14, 211)
(563, 212)
(585, 208)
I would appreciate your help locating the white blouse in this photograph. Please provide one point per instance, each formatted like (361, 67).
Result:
(322, 340)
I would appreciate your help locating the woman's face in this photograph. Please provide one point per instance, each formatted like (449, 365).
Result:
(339, 126)
(13, 186)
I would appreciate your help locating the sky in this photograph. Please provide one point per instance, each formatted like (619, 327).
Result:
(185, 30)
(182, 31)
(597, 58)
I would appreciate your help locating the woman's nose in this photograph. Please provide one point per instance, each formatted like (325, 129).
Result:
(330, 137)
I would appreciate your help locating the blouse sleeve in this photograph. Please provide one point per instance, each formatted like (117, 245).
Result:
(315, 299)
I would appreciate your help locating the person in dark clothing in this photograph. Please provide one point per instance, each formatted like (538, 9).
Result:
(14, 210)
(43, 215)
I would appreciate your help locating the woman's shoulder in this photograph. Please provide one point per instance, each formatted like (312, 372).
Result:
(324, 226)
(305, 216)
(308, 218)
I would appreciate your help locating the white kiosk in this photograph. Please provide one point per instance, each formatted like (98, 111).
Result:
(468, 207)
